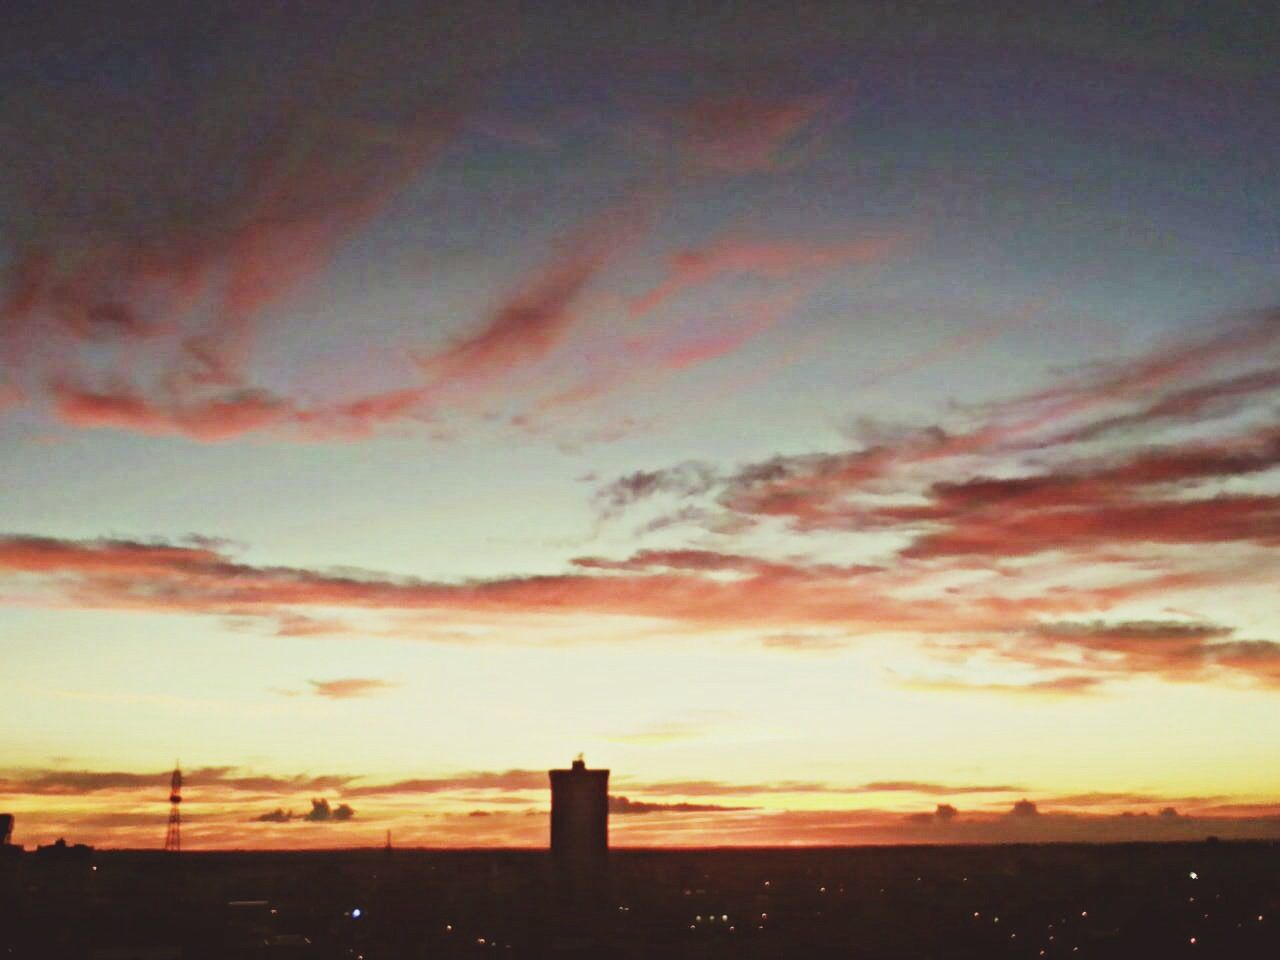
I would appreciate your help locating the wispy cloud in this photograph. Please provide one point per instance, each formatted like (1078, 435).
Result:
(348, 687)
(142, 275)
(75, 782)
(1070, 685)
(771, 261)
(501, 781)
(1034, 560)
(528, 324)
(742, 134)
(622, 806)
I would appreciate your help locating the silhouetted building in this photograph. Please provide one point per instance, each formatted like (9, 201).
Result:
(7, 848)
(62, 852)
(580, 819)
(579, 856)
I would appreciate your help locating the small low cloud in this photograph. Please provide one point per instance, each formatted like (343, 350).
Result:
(804, 642)
(1023, 809)
(348, 687)
(320, 812)
(944, 813)
(1068, 685)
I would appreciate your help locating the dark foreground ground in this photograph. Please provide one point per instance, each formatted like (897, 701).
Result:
(1130, 901)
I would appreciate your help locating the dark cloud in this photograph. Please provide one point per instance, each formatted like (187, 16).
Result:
(944, 813)
(1176, 649)
(1024, 808)
(321, 813)
(1215, 399)
(1099, 798)
(687, 479)
(622, 805)
(1131, 632)
(71, 782)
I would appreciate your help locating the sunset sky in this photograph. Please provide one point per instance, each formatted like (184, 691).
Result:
(844, 422)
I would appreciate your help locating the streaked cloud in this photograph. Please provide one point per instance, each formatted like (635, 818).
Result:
(349, 687)
(621, 806)
(741, 133)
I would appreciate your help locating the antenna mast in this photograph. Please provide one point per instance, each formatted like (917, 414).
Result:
(173, 836)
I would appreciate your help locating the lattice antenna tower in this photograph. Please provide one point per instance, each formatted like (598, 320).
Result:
(173, 836)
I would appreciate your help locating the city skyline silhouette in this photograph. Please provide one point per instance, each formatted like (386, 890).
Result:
(851, 425)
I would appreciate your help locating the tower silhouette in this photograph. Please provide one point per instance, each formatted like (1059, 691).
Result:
(173, 835)
(579, 909)
(580, 829)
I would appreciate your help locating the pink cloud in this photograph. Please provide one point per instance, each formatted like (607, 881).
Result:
(530, 322)
(145, 263)
(683, 587)
(1069, 685)
(769, 261)
(226, 416)
(743, 134)
(349, 687)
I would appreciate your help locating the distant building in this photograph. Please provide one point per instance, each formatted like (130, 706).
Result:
(62, 852)
(7, 848)
(580, 829)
